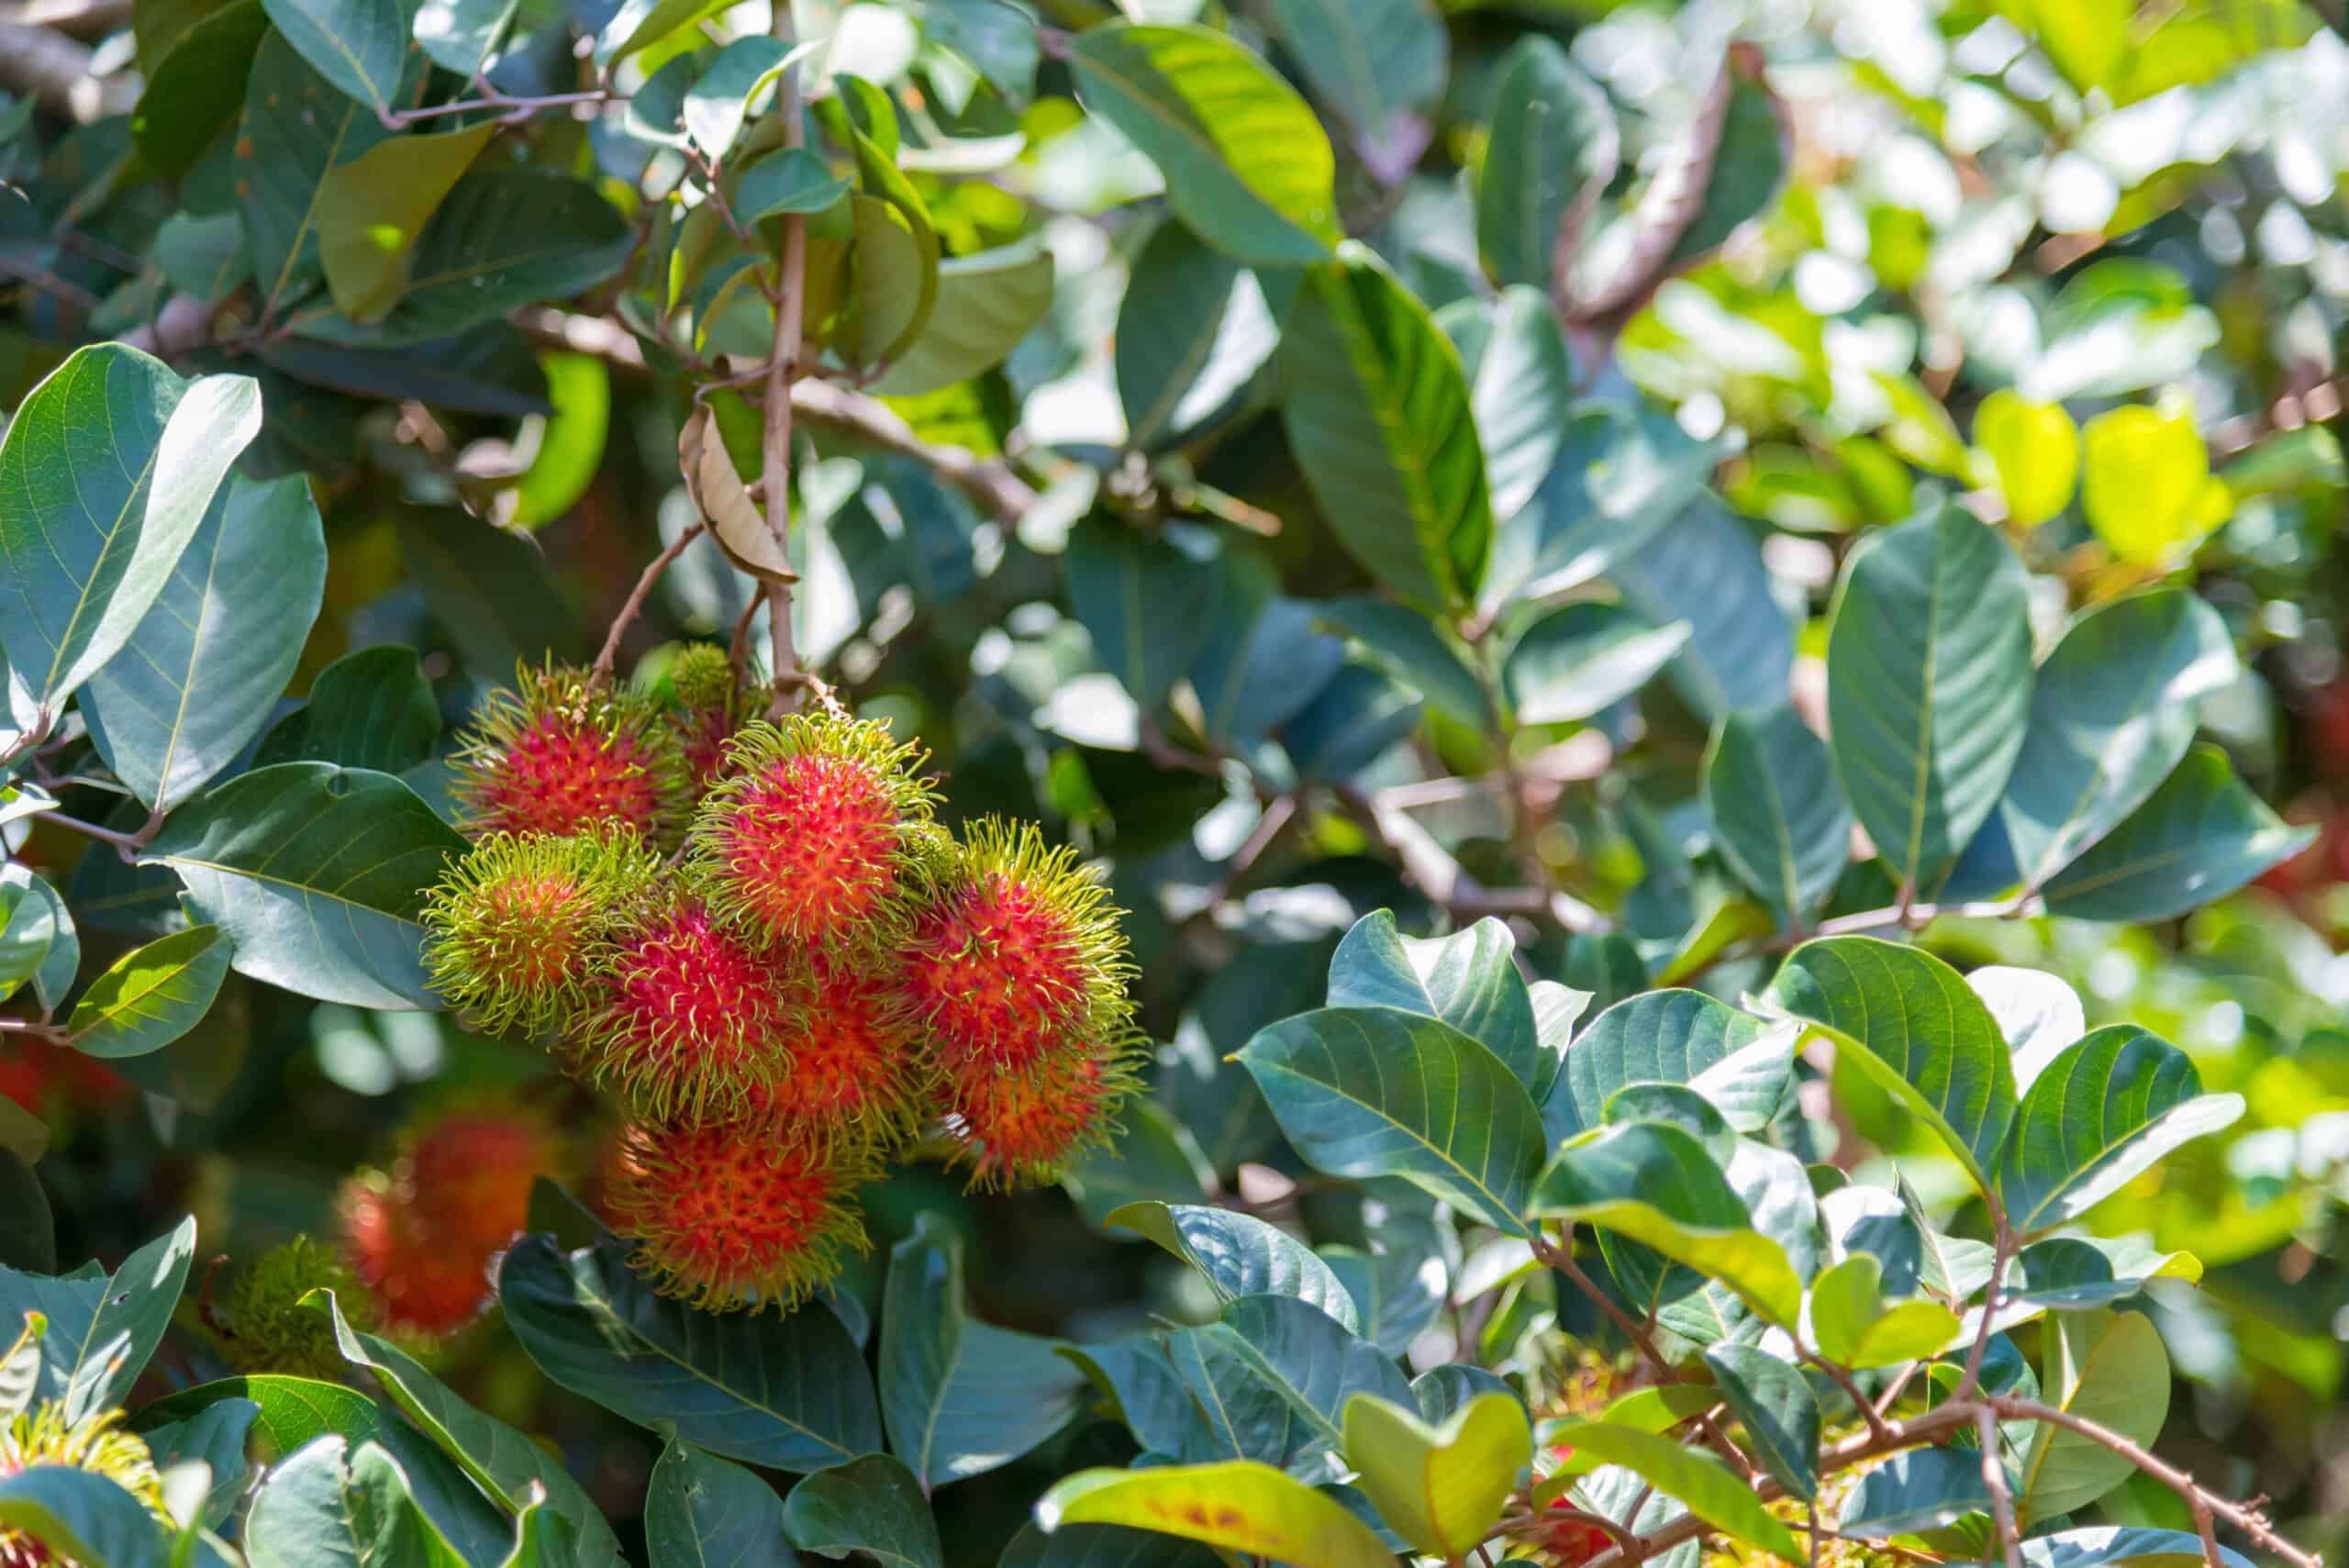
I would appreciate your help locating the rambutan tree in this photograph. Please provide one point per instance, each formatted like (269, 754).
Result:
(1043, 784)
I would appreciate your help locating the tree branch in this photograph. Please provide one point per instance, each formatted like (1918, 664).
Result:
(1994, 1478)
(55, 70)
(610, 653)
(782, 366)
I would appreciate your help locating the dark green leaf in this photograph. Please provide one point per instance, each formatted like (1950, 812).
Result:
(374, 209)
(82, 1516)
(1378, 416)
(1239, 1254)
(1554, 147)
(1246, 164)
(1262, 661)
(1380, 64)
(1775, 1404)
(705, 1512)
(1521, 384)
(787, 1391)
(216, 1436)
(1704, 568)
(1308, 1358)
(2200, 836)
(1582, 659)
(1468, 979)
(196, 90)
(1778, 815)
(110, 465)
(373, 708)
(1920, 1490)
(1407, 645)
(1352, 723)
(211, 658)
(361, 46)
(1619, 476)
(1397, 1292)
(2102, 1111)
(1374, 1092)
(960, 1398)
(297, 127)
(1155, 1160)
(1913, 1026)
(1929, 685)
(1193, 330)
(317, 874)
(986, 304)
(1145, 603)
(1658, 1037)
(874, 1506)
(331, 1506)
(794, 180)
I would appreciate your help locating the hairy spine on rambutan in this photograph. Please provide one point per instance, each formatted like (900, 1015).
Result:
(563, 751)
(710, 707)
(819, 833)
(1027, 1128)
(261, 1326)
(727, 1216)
(1015, 957)
(857, 1069)
(514, 929)
(692, 1014)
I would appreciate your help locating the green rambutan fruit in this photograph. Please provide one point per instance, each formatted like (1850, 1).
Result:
(96, 1443)
(728, 1216)
(703, 677)
(857, 1069)
(1015, 957)
(565, 750)
(1027, 1128)
(515, 929)
(820, 832)
(709, 709)
(690, 1013)
(261, 1326)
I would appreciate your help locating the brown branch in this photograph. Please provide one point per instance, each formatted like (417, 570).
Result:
(634, 605)
(55, 70)
(1994, 1478)
(782, 366)
(1432, 870)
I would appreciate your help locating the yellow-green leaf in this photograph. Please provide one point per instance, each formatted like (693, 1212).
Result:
(1698, 1480)
(372, 209)
(2146, 485)
(1241, 1505)
(1439, 1487)
(2034, 449)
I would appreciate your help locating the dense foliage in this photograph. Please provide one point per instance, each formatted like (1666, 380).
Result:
(1048, 784)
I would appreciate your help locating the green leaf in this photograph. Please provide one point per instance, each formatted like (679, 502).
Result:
(197, 86)
(2200, 836)
(1653, 1184)
(331, 1506)
(1657, 1036)
(38, 941)
(1240, 1505)
(1620, 476)
(1911, 1023)
(2145, 481)
(211, 658)
(1374, 1092)
(316, 874)
(1118, 1546)
(1704, 567)
(1553, 146)
(794, 180)
(1521, 386)
(1468, 979)
(2112, 712)
(1380, 64)
(2034, 449)
(297, 128)
(361, 46)
(1262, 661)
(371, 708)
(217, 1438)
(1928, 685)
(874, 1506)
(786, 1392)
(499, 1459)
(1308, 1359)
(109, 465)
(82, 1516)
(151, 996)
(1773, 1403)
(1155, 1160)
(101, 1330)
(1407, 646)
(1441, 1488)
(1397, 1290)
(1239, 1254)
(1920, 1490)
(702, 1510)
(2130, 1545)
(1354, 721)
(986, 304)
(2106, 1367)
(1701, 1481)
(1778, 815)
(1854, 1328)
(960, 1398)
(717, 103)
(2103, 1110)
(1582, 659)
(373, 210)
(1145, 603)
(1193, 330)
(1378, 413)
(896, 283)
(288, 1412)
(1247, 166)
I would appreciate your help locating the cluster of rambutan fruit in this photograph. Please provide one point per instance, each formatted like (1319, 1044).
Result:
(756, 936)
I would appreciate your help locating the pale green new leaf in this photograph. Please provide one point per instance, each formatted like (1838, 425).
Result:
(1439, 1487)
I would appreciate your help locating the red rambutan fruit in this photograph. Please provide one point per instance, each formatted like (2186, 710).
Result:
(418, 1285)
(726, 1215)
(515, 927)
(818, 833)
(1017, 955)
(856, 1067)
(690, 1016)
(563, 752)
(1026, 1128)
(709, 708)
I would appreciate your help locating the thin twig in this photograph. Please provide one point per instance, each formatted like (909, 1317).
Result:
(634, 605)
(509, 109)
(1994, 1477)
(128, 844)
(783, 364)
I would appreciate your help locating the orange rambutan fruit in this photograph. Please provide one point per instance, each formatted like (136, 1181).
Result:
(690, 1015)
(471, 1172)
(856, 1067)
(515, 927)
(417, 1282)
(1026, 1128)
(819, 832)
(1017, 956)
(727, 1216)
(563, 752)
